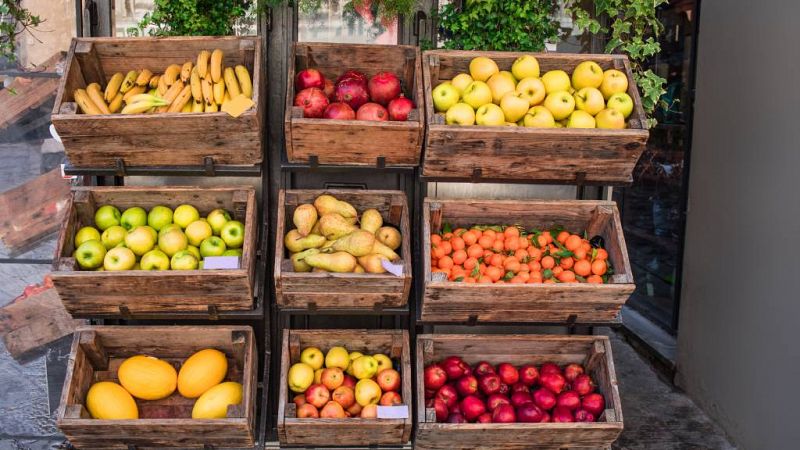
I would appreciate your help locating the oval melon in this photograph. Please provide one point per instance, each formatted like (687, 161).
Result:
(202, 371)
(213, 404)
(110, 401)
(147, 378)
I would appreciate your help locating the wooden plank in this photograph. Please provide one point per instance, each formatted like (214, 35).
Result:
(26, 94)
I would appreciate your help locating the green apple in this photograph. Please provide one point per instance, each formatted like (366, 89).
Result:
(587, 74)
(184, 215)
(610, 118)
(86, 234)
(501, 83)
(532, 89)
(197, 231)
(444, 96)
(140, 240)
(482, 68)
(213, 246)
(119, 259)
(460, 114)
(90, 254)
(133, 217)
(154, 260)
(555, 81)
(195, 251)
(514, 106)
(152, 231)
(169, 228)
(561, 104)
(159, 217)
(477, 94)
(232, 252)
(106, 216)
(172, 242)
(525, 66)
(614, 81)
(490, 115)
(200, 265)
(622, 102)
(183, 260)
(461, 81)
(580, 119)
(539, 117)
(113, 236)
(589, 99)
(233, 234)
(217, 219)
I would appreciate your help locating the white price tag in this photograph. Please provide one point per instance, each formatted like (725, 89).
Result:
(220, 262)
(394, 269)
(393, 412)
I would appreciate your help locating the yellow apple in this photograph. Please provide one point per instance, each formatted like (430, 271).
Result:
(197, 231)
(490, 115)
(461, 81)
(539, 117)
(337, 357)
(587, 74)
(589, 99)
(184, 215)
(183, 260)
(610, 118)
(555, 81)
(444, 96)
(140, 240)
(560, 104)
(477, 94)
(154, 260)
(353, 356)
(367, 392)
(580, 119)
(514, 106)
(384, 362)
(119, 258)
(525, 66)
(500, 84)
(113, 236)
(532, 89)
(460, 114)
(313, 357)
(481, 68)
(614, 81)
(194, 251)
(365, 367)
(300, 377)
(172, 242)
(622, 102)
(86, 234)
(512, 124)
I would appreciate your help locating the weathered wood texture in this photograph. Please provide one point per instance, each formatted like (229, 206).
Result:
(158, 139)
(358, 142)
(446, 301)
(343, 290)
(349, 431)
(96, 355)
(552, 154)
(594, 352)
(138, 291)
(26, 94)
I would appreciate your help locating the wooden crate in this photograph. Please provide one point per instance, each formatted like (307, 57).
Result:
(139, 291)
(518, 153)
(343, 290)
(96, 355)
(446, 301)
(349, 431)
(159, 139)
(355, 142)
(594, 352)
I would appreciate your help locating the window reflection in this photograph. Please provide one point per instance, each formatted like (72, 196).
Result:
(343, 21)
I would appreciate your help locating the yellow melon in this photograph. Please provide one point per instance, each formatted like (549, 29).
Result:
(110, 401)
(213, 404)
(202, 371)
(147, 378)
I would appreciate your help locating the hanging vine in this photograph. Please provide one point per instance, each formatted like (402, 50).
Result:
(14, 21)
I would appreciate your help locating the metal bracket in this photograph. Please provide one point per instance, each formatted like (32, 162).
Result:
(208, 166)
(477, 173)
(213, 312)
(119, 163)
(571, 319)
(313, 161)
(312, 307)
(472, 320)
(381, 162)
(580, 180)
(124, 312)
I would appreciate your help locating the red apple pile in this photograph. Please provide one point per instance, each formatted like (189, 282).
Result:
(484, 393)
(352, 97)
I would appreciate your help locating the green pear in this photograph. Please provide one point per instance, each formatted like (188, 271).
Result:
(340, 262)
(299, 264)
(371, 220)
(333, 226)
(297, 243)
(304, 218)
(372, 263)
(381, 249)
(357, 243)
(327, 204)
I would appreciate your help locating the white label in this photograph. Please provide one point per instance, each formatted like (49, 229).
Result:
(393, 412)
(394, 269)
(220, 262)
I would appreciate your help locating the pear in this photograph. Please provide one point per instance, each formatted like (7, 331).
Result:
(304, 218)
(372, 263)
(358, 269)
(297, 260)
(333, 226)
(357, 243)
(327, 244)
(327, 204)
(297, 243)
(382, 249)
(317, 269)
(340, 262)
(315, 229)
(389, 236)
(371, 220)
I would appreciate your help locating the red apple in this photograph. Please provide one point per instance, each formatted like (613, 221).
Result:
(594, 403)
(467, 385)
(528, 374)
(339, 111)
(441, 410)
(529, 413)
(454, 366)
(369, 412)
(549, 367)
(504, 389)
(429, 393)
(456, 418)
(307, 410)
(569, 399)
(582, 415)
(390, 398)
(484, 418)
(309, 78)
(544, 399)
(519, 387)
(349, 381)
(520, 398)
(299, 400)
(472, 407)
(545, 417)
(329, 89)
(483, 368)
(384, 87)
(389, 380)
(583, 384)
(332, 377)
(353, 74)
(572, 371)
(496, 400)
(313, 102)
(354, 410)
(332, 410)
(456, 409)
(554, 382)
(489, 384)
(399, 108)
(435, 377)
(344, 396)
(317, 395)
(352, 92)
(508, 373)
(504, 414)
(448, 395)
(562, 415)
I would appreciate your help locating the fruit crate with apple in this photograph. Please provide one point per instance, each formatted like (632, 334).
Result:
(591, 419)
(446, 299)
(184, 289)
(348, 289)
(114, 397)
(371, 140)
(348, 428)
(534, 152)
(162, 139)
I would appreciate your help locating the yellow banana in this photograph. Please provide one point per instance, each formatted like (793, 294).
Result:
(153, 92)
(186, 70)
(219, 92)
(211, 107)
(85, 103)
(171, 74)
(154, 81)
(144, 77)
(216, 65)
(171, 95)
(129, 81)
(187, 108)
(142, 103)
(197, 106)
(137, 108)
(162, 85)
(154, 100)
(202, 63)
(113, 86)
(136, 90)
(245, 83)
(116, 103)
(197, 88)
(182, 99)
(208, 91)
(93, 91)
(230, 82)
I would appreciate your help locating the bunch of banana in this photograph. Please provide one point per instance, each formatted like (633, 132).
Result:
(201, 86)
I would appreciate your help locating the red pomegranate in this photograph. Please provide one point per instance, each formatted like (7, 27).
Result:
(309, 78)
(354, 75)
(352, 92)
(399, 108)
(340, 111)
(313, 102)
(384, 87)
(376, 112)
(330, 90)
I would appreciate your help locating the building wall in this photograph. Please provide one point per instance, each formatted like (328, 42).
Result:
(738, 355)
(53, 35)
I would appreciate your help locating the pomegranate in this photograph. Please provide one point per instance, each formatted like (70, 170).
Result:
(467, 385)
(496, 400)
(529, 413)
(329, 89)
(519, 387)
(504, 414)
(583, 384)
(309, 78)
(569, 399)
(313, 102)
(572, 371)
(528, 374)
(435, 377)
(520, 398)
(354, 75)
(441, 410)
(544, 399)
(456, 418)
(448, 395)
(582, 415)
(484, 418)
(483, 368)
(472, 407)
(554, 382)
(339, 111)
(384, 87)
(594, 403)
(376, 112)
(399, 108)
(508, 373)
(489, 384)
(352, 92)
(549, 367)
(562, 415)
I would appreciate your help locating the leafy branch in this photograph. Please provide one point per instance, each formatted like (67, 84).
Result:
(14, 20)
